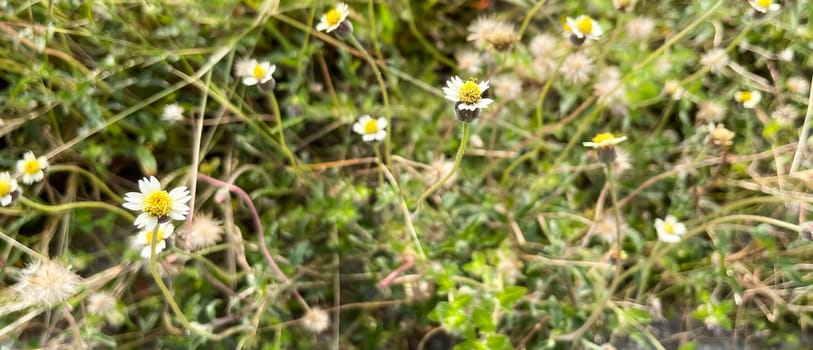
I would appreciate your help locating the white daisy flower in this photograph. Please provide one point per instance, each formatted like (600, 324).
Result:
(748, 98)
(763, 6)
(670, 230)
(46, 282)
(8, 185)
(333, 18)
(583, 27)
(156, 204)
(604, 140)
(468, 94)
(31, 168)
(144, 238)
(260, 73)
(371, 129)
(172, 113)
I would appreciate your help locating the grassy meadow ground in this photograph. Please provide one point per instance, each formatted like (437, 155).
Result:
(470, 174)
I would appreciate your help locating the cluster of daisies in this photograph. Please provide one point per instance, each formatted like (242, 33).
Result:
(30, 169)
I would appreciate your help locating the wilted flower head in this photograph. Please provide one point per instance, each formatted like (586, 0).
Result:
(673, 89)
(316, 320)
(640, 28)
(336, 19)
(468, 97)
(710, 111)
(371, 129)
(622, 5)
(31, 168)
(101, 303)
(8, 188)
(798, 85)
(487, 31)
(609, 87)
(509, 267)
(172, 113)
(46, 283)
(205, 231)
(716, 59)
(670, 230)
(785, 114)
(748, 98)
(721, 136)
(763, 6)
(469, 61)
(507, 87)
(582, 28)
(543, 45)
(156, 204)
(577, 68)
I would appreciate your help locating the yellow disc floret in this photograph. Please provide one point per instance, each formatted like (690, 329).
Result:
(469, 92)
(764, 3)
(585, 25)
(333, 17)
(258, 72)
(159, 237)
(158, 204)
(371, 127)
(669, 227)
(31, 166)
(603, 138)
(5, 188)
(745, 96)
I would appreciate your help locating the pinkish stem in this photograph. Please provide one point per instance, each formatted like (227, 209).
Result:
(394, 274)
(256, 217)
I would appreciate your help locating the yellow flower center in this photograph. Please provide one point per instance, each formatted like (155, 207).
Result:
(603, 137)
(333, 17)
(258, 72)
(371, 127)
(5, 188)
(585, 25)
(745, 96)
(669, 228)
(469, 92)
(31, 166)
(158, 204)
(764, 3)
(159, 237)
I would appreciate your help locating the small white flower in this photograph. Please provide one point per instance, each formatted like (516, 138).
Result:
(371, 129)
(261, 73)
(583, 26)
(715, 59)
(670, 230)
(764, 6)
(316, 320)
(31, 168)
(46, 282)
(156, 204)
(468, 94)
(333, 18)
(172, 113)
(748, 98)
(144, 238)
(205, 231)
(604, 140)
(8, 185)
(577, 68)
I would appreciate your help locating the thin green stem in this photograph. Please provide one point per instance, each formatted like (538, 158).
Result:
(56, 209)
(460, 151)
(280, 130)
(93, 178)
(405, 211)
(527, 20)
(542, 95)
(384, 94)
(22, 247)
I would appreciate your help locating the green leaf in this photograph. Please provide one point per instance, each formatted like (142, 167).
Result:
(481, 317)
(510, 296)
(689, 346)
(146, 159)
(498, 342)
